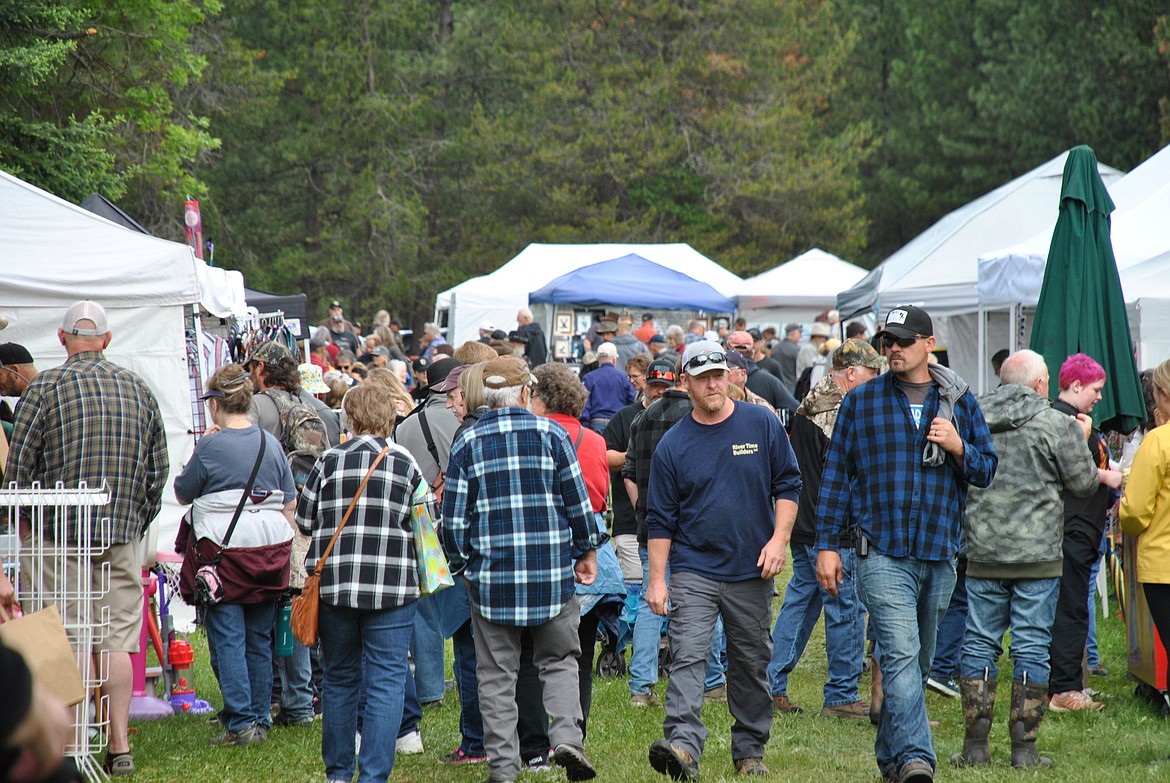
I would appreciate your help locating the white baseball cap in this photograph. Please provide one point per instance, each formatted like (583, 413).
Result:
(85, 310)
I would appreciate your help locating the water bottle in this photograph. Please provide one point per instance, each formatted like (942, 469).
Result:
(284, 634)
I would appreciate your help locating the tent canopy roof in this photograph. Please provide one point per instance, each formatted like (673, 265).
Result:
(56, 252)
(938, 269)
(812, 279)
(632, 281)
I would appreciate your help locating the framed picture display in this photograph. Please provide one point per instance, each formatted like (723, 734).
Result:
(584, 321)
(564, 324)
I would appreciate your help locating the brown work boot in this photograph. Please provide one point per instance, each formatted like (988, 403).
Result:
(857, 710)
(782, 706)
(751, 766)
(876, 696)
(669, 759)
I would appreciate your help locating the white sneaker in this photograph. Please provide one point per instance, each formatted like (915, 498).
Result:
(410, 744)
(945, 688)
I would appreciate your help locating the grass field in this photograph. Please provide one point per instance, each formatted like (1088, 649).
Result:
(1117, 745)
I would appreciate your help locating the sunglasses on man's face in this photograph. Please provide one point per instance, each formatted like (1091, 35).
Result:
(888, 340)
(742, 348)
(715, 357)
(345, 367)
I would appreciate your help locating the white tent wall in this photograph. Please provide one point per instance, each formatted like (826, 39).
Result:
(777, 317)
(55, 253)
(150, 342)
(1149, 325)
(968, 353)
(497, 296)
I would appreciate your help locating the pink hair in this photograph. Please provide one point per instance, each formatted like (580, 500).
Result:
(1080, 367)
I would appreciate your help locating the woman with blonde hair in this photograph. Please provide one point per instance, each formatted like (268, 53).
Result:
(1145, 508)
(386, 380)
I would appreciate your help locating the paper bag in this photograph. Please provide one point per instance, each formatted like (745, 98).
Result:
(40, 638)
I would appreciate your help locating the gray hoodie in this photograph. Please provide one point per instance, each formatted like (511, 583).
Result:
(1014, 529)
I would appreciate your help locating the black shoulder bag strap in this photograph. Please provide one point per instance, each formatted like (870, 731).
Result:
(580, 434)
(431, 447)
(243, 498)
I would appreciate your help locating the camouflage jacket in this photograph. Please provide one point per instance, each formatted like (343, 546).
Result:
(1014, 529)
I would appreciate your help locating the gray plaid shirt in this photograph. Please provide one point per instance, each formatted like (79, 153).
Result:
(91, 420)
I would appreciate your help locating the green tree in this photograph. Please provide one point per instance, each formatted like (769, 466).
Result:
(408, 150)
(93, 98)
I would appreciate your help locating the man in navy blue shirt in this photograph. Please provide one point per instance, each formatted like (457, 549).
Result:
(905, 448)
(609, 390)
(722, 558)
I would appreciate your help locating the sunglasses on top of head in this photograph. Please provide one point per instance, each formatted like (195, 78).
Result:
(715, 357)
(889, 340)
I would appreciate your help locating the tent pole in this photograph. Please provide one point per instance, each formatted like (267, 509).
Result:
(982, 349)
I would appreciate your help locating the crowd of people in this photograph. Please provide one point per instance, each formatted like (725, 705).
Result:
(864, 463)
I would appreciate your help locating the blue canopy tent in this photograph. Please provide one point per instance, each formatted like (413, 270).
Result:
(632, 281)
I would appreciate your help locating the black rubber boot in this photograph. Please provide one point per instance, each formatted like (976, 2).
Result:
(1029, 702)
(978, 694)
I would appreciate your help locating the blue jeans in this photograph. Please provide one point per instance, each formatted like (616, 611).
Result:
(1028, 607)
(470, 719)
(427, 650)
(950, 631)
(239, 638)
(716, 658)
(376, 640)
(844, 627)
(906, 598)
(647, 638)
(1093, 656)
(296, 688)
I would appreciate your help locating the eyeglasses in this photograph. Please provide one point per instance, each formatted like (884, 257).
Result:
(635, 377)
(889, 340)
(345, 367)
(742, 348)
(702, 360)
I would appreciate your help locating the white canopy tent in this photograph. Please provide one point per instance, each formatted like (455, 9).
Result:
(497, 296)
(1011, 278)
(797, 290)
(938, 270)
(56, 253)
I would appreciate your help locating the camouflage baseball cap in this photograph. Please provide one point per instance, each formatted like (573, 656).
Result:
(857, 353)
(270, 352)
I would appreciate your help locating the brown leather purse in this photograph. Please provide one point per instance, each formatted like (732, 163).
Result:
(306, 607)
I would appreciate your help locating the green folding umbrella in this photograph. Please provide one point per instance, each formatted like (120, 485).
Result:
(1081, 307)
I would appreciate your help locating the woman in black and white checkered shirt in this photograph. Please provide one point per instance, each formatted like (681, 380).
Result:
(369, 584)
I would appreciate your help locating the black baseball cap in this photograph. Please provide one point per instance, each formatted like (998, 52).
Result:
(907, 321)
(661, 371)
(14, 353)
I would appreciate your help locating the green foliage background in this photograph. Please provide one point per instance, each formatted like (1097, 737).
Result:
(381, 152)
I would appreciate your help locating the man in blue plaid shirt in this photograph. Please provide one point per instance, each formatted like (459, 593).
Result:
(517, 524)
(905, 448)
